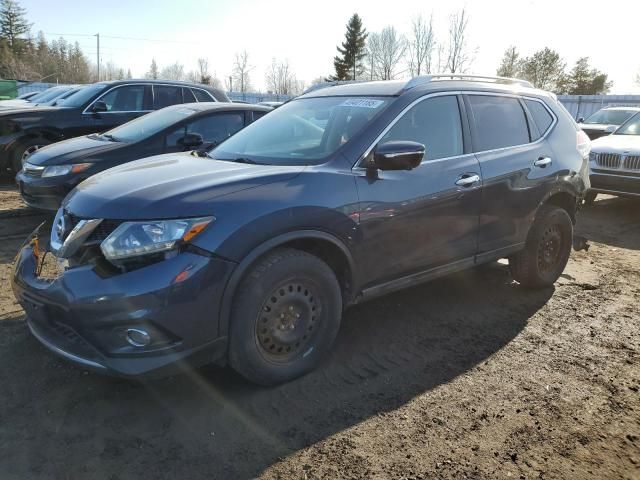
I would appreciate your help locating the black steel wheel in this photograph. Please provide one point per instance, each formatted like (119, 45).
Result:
(285, 316)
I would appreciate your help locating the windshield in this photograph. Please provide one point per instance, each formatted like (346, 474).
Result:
(302, 132)
(147, 125)
(61, 99)
(610, 117)
(632, 127)
(83, 95)
(49, 94)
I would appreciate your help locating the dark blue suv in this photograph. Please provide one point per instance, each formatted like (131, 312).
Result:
(343, 194)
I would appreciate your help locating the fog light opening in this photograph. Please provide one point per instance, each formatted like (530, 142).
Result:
(138, 337)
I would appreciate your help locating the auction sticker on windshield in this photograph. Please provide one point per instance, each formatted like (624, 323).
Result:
(362, 103)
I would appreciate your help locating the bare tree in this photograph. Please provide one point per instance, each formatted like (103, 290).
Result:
(173, 72)
(241, 69)
(280, 79)
(459, 55)
(386, 50)
(421, 46)
(203, 69)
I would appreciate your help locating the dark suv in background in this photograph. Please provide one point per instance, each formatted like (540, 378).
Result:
(338, 196)
(94, 108)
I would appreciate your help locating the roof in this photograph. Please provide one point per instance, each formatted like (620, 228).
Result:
(217, 93)
(424, 83)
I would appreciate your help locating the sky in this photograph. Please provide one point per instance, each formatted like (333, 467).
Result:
(305, 33)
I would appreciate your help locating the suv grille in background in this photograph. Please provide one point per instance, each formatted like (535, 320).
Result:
(608, 160)
(632, 162)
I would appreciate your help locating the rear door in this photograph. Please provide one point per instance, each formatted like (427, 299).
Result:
(416, 220)
(517, 168)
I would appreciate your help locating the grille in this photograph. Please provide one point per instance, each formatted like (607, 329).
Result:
(102, 231)
(632, 162)
(608, 160)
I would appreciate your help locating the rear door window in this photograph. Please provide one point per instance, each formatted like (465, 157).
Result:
(188, 95)
(498, 122)
(435, 123)
(165, 95)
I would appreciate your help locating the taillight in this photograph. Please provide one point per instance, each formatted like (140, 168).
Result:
(583, 143)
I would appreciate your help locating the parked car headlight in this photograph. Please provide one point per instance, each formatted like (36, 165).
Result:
(58, 170)
(133, 239)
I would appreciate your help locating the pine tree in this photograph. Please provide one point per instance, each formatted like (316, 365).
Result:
(511, 63)
(584, 80)
(153, 71)
(13, 24)
(348, 64)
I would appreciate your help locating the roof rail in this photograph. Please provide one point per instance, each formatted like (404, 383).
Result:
(329, 83)
(424, 79)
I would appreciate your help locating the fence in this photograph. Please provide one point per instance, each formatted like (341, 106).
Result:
(585, 105)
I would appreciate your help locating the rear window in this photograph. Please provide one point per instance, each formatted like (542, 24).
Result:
(499, 122)
(166, 95)
(541, 116)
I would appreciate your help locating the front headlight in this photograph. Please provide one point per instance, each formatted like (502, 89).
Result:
(132, 239)
(58, 170)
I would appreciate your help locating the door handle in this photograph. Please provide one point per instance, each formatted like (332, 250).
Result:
(542, 162)
(468, 179)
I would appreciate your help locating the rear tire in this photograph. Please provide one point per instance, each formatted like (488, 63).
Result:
(546, 251)
(285, 317)
(24, 149)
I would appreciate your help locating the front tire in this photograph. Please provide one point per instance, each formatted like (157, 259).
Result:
(546, 251)
(24, 149)
(285, 317)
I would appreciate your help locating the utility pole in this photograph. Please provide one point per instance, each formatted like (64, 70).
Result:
(97, 35)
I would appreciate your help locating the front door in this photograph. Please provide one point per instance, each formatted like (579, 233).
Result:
(124, 103)
(420, 219)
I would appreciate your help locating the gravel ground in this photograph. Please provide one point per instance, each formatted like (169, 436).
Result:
(469, 376)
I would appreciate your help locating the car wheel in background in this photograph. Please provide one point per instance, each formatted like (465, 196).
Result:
(546, 251)
(285, 316)
(24, 150)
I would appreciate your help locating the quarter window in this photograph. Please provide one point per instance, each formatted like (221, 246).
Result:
(202, 96)
(165, 95)
(129, 98)
(435, 123)
(499, 122)
(541, 116)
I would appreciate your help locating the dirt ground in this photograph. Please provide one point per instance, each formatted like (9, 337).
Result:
(469, 376)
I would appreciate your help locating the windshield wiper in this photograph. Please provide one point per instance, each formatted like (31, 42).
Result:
(248, 161)
(109, 137)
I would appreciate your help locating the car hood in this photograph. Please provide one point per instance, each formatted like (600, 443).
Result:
(168, 186)
(623, 144)
(74, 150)
(27, 115)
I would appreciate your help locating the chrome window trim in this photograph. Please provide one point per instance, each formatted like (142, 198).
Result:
(86, 111)
(357, 165)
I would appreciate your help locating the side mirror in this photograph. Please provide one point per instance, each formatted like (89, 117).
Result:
(99, 106)
(398, 155)
(580, 119)
(610, 128)
(191, 140)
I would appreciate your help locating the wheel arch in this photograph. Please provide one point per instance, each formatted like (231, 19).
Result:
(566, 199)
(326, 246)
